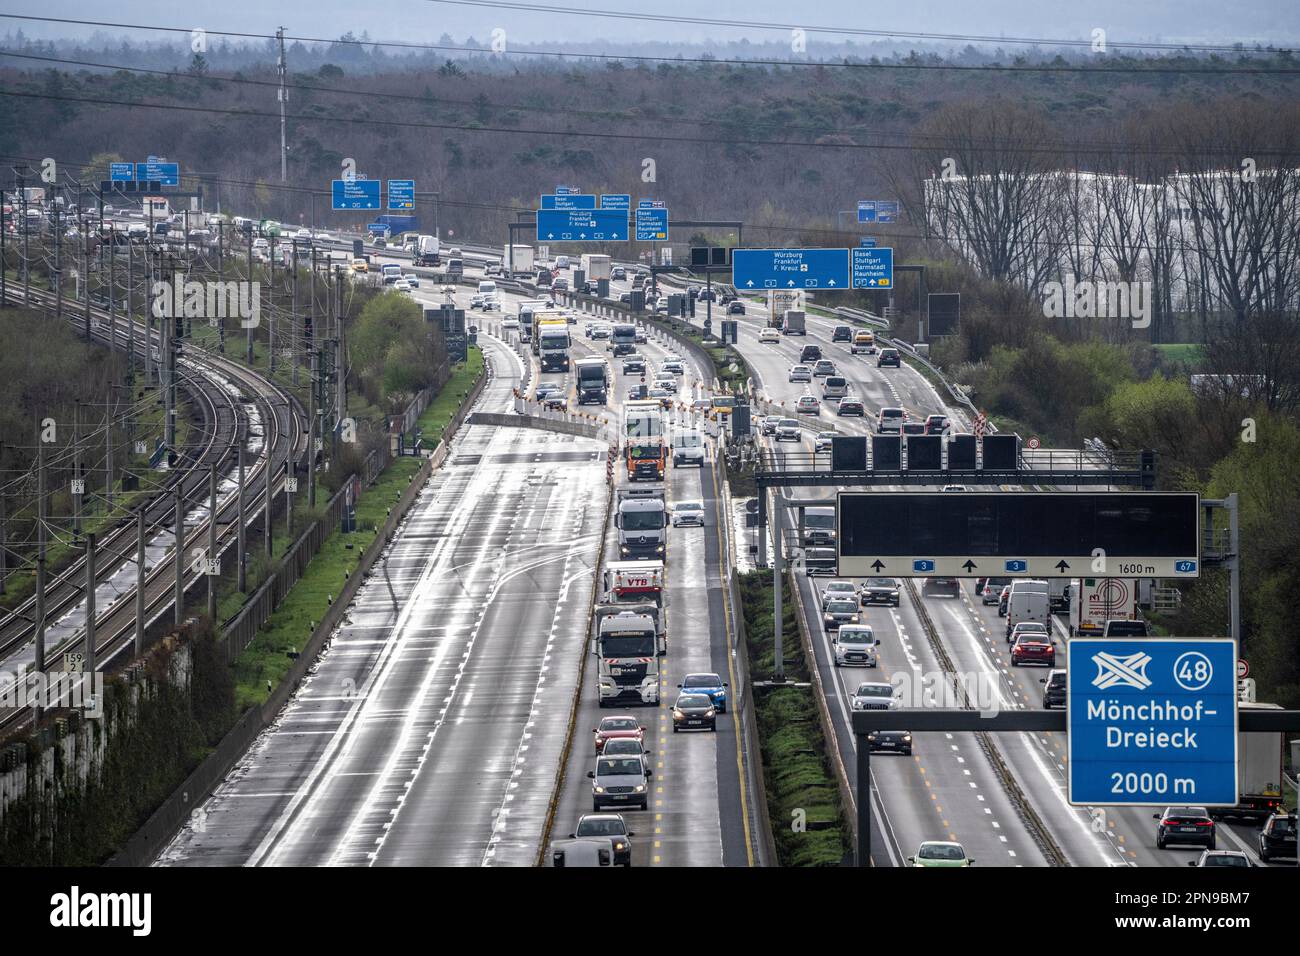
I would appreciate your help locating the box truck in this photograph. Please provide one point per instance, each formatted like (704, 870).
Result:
(1094, 601)
(427, 251)
(596, 267)
(1259, 771)
(518, 261)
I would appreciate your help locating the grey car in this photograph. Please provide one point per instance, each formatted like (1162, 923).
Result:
(800, 373)
(626, 747)
(787, 430)
(839, 612)
(619, 782)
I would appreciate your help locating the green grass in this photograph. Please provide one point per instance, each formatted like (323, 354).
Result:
(1186, 353)
(796, 772)
(290, 626)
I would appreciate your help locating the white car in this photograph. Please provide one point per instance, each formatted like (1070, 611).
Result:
(673, 366)
(808, 405)
(510, 322)
(787, 430)
(413, 279)
(855, 644)
(401, 285)
(840, 590)
(824, 441)
(668, 382)
(876, 695)
(477, 301)
(769, 335)
(800, 373)
(688, 512)
(302, 234)
(491, 304)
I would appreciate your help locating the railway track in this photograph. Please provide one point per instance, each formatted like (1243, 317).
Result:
(231, 398)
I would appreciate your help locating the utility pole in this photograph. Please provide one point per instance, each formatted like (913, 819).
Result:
(26, 225)
(341, 393)
(311, 433)
(270, 329)
(179, 594)
(268, 497)
(212, 542)
(250, 279)
(293, 305)
(90, 667)
(77, 476)
(139, 581)
(130, 315)
(39, 663)
(242, 554)
(85, 271)
(109, 407)
(284, 99)
(58, 272)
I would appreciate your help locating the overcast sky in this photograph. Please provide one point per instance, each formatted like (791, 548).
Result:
(1204, 21)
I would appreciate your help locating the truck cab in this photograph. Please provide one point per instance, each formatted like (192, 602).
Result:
(593, 381)
(642, 523)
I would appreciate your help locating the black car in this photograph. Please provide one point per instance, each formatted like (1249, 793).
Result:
(890, 742)
(735, 307)
(633, 363)
(1053, 689)
(948, 586)
(611, 825)
(1278, 837)
(1190, 825)
(694, 711)
(842, 333)
(626, 298)
(880, 591)
(810, 353)
(888, 357)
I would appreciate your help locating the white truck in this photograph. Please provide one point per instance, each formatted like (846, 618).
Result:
(1259, 771)
(626, 646)
(596, 266)
(427, 252)
(1028, 601)
(518, 261)
(1094, 601)
(642, 523)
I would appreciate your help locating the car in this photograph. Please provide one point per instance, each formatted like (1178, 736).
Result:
(890, 420)
(824, 441)
(638, 337)
(1221, 858)
(412, 278)
(880, 591)
(888, 357)
(638, 393)
(1002, 600)
(1037, 628)
(990, 589)
(618, 272)
(808, 405)
(667, 382)
(948, 586)
(633, 363)
(937, 424)
(1277, 837)
(665, 397)
(619, 782)
(767, 426)
(875, 695)
(800, 373)
(560, 284)
(838, 612)
(1185, 825)
(788, 430)
(401, 285)
(476, 302)
(912, 428)
(863, 341)
(823, 368)
(1033, 649)
(492, 269)
(510, 323)
(688, 513)
(303, 233)
(360, 265)
(673, 366)
(890, 742)
(610, 825)
(810, 353)
(620, 726)
(1053, 689)
(838, 589)
(694, 711)
(940, 853)
(842, 333)
(711, 684)
(556, 402)
(855, 643)
(544, 277)
(851, 406)
(736, 307)
(627, 747)
(625, 298)
(602, 330)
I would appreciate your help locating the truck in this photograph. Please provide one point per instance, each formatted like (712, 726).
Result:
(427, 252)
(642, 523)
(793, 323)
(622, 340)
(645, 448)
(1094, 601)
(536, 317)
(1028, 601)
(636, 586)
(596, 266)
(518, 261)
(1259, 771)
(778, 301)
(626, 647)
(1058, 593)
(553, 345)
(593, 381)
(526, 310)
(455, 267)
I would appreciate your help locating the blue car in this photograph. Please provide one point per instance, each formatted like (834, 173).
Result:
(710, 684)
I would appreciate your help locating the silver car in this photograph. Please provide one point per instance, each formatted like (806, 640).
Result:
(800, 373)
(787, 430)
(626, 747)
(619, 782)
(875, 695)
(855, 644)
(688, 513)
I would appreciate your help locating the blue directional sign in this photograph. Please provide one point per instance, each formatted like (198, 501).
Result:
(790, 268)
(355, 194)
(581, 225)
(401, 194)
(121, 172)
(867, 242)
(886, 211)
(651, 224)
(169, 174)
(1016, 566)
(1152, 721)
(923, 566)
(616, 201)
(866, 211)
(570, 201)
(377, 227)
(873, 268)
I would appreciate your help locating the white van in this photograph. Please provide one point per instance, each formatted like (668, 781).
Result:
(688, 448)
(1028, 601)
(561, 262)
(487, 287)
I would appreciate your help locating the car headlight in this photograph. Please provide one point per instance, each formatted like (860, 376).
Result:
(660, 549)
(640, 788)
(907, 738)
(853, 619)
(709, 713)
(620, 846)
(677, 714)
(596, 789)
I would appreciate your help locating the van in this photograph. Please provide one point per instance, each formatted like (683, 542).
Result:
(835, 387)
(561, 262)
(819, 526)
(819, 561)
(487, 287)
(1028, 601)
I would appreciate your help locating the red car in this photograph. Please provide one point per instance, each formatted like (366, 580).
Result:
(1033, 649)
(613, 728)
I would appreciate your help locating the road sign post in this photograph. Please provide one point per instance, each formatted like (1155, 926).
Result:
(1152, 721)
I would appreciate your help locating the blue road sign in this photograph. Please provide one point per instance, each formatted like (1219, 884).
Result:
(651, 224)
(790, 268)
(867, 242)
(866, 211)
(377, 227)
(616, 201)
(355, 194)
(570, 201)
(886, 211)
(873, 268)
(169, 174)
(121, 172)
(401, 194)
(581, 225)
(923, 566)
(1152, 721)
(1017, 567)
